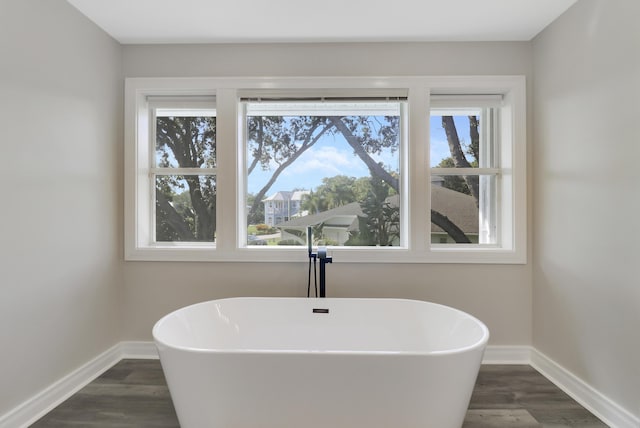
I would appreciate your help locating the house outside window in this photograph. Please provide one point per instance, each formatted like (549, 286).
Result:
(289, 208)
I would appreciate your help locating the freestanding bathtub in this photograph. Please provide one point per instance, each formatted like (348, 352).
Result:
(311, 363)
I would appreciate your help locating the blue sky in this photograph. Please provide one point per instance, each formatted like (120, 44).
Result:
(332, 156)
(329, 157)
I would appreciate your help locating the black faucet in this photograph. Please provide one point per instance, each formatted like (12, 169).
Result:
(324, 259)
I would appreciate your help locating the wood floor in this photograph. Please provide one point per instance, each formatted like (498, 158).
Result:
(134, 393)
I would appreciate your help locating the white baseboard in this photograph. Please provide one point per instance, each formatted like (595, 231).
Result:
(139, 350)
(46, 400)
(596, 402)
(593, 400)
(507, 355)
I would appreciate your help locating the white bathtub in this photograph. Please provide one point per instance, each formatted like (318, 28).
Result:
(311, 363)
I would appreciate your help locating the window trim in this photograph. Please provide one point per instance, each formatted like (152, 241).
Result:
(188, 105)
(490, 113)
(398, 98)
(414, 161)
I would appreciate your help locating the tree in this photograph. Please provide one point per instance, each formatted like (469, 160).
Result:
(364, 143)
(257, 216)
(453, 182)
(186, 142)
(361, 132)
(458, 157)
(278, 140)
(469, 184)
(174, 222)
(313, 203)
(380, 224)
(332, 193)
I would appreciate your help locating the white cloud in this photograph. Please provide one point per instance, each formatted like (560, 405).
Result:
(327, 158)
(327, 161)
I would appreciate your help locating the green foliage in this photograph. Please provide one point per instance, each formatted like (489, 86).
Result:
(332, 193)
(256, 216)
(453, 182)
(338, 191)
(185, 205)
(186, 142)
(289, 242)
(280, 140)
(380, 224)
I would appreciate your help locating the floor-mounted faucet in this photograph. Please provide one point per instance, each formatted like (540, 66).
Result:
(324, 259)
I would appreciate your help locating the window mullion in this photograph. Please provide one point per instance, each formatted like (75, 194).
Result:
(465, 171)
(227, 173)
(417, 176)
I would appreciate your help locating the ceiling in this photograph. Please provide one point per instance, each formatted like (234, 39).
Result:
(261, 21)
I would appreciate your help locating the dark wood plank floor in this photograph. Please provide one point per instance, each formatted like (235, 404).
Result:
(518, 396)
(134, 393)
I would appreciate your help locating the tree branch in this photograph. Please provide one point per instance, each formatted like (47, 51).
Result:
(475, 137)
(260, 139)
(450, 227)
(459, 159)
(375, 169)
(173, 218)
(307, 143)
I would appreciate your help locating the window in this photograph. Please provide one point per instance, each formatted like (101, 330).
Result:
(472, 158)
(183, 171)
(465, 170)
(407, 169)
(176, 174)
(332, 165)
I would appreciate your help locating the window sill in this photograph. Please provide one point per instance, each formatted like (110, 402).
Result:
(392, 255)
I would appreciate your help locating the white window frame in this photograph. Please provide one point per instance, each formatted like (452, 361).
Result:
(495, 230)
(187, 106)
(370, 107)
(230, 240)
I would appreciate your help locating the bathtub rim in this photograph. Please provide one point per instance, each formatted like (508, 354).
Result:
(479, 344)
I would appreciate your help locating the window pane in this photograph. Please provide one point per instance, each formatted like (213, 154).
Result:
(457, 139)
(333, 166)
(185, 141)
(185, 208)
(457, 215)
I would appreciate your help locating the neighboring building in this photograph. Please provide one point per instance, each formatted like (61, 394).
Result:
(339, 223)
(283, 206)
(460, 208)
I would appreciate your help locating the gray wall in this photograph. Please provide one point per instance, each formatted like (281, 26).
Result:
(61, 222)
(586, 200)
(328, 59)
(66, 295)
(500, 295)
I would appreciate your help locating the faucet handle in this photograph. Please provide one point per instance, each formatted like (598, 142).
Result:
(322, 252)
